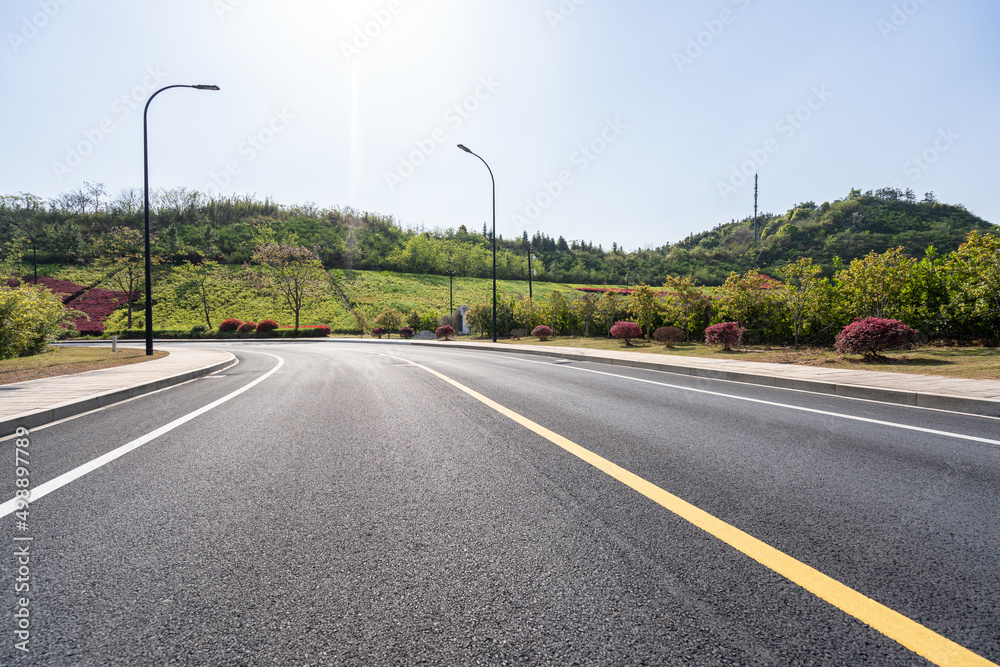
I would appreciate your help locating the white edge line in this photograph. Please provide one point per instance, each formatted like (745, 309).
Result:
(780, 405)
(42, 427)
(48, 487)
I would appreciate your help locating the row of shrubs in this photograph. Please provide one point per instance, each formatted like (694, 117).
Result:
(868, 337)
(266, 328)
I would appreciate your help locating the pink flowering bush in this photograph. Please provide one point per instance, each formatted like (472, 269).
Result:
(872, 335)
(247, 327)
(626, 331)
(542, 332)
(726, 334)
(378, 332)
(444, 332)
(406, 332)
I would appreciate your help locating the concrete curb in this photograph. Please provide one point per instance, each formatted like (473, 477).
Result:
(971, 405)
(76, 406)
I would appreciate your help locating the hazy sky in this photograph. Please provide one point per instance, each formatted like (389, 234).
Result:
(631, 121)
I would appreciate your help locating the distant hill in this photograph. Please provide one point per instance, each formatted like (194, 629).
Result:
(187, 225)
(846, 229)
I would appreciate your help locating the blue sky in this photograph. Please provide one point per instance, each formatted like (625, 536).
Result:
(631, 121)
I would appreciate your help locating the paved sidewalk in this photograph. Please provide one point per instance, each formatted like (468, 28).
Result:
(931, 391)
(36, 402)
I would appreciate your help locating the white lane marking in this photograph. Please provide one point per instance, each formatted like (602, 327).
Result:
(759, 401)
(124, 401)
(48, 487)
(922, 408)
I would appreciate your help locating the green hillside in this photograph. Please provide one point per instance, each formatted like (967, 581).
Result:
(178, 307)
(187, 226)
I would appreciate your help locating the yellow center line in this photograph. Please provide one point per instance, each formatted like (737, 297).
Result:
(921, 640)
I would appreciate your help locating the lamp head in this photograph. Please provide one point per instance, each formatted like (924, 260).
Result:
(206, 87)
(464, 148)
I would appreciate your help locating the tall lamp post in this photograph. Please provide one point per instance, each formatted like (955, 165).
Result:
(530, 296)
(145, 170)
(34, 248)
(494, 240)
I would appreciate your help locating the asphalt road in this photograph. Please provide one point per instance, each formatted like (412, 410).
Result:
(352, 508)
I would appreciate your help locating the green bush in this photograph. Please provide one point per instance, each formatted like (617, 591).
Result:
(30, 318)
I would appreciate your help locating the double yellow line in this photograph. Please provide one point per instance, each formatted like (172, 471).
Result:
(917, 638)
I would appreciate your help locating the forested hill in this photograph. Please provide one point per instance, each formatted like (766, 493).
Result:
(187, 226)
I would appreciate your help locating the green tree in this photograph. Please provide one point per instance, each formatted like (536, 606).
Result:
(750, 299)
(686, 306)
(389, 319)
(289, 273)
(878, 285)
(122, 251)
(974, 280)
(608, 309)
(644, 305)
(585, 306)
(30, 318)
(805, 294)
(203, 279)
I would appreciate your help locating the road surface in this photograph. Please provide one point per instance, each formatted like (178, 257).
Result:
(349, 504)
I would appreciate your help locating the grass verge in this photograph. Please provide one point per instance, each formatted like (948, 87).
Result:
(68, 360)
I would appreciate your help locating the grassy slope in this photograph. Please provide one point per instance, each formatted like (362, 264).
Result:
(180, 308)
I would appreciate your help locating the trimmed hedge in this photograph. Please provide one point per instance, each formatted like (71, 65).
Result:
(230, 324)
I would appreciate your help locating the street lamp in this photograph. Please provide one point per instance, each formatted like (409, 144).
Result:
(529, 271)
(145, 169)
(494, 240)
(34, 248)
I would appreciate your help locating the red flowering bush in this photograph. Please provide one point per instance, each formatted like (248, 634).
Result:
(230, 324)
(669, 335)
(247, 327)
(726, 334)
(266, 326)
(378, 332)
(626, 331)
(406, 332)
(444, 332)
(872, 335)
(542, 332)
(304, 331)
